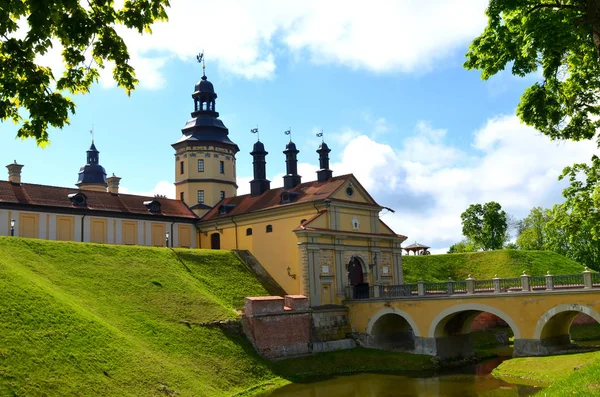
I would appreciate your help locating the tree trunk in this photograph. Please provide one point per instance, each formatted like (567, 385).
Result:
(593, 15)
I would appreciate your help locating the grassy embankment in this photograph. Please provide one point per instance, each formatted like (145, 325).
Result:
(485, 265)
(86, 319)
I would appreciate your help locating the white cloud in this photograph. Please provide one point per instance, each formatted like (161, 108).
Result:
(244, 38)
(163, 188)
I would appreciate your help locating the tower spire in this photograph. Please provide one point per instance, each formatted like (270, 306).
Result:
(200, 58)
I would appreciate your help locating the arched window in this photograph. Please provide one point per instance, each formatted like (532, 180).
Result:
(249, 231)
(269, 228)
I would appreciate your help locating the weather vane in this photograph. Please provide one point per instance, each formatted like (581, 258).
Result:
(200, 58)
(92, 133)
(288, 132)
(255, 131)
(320, 135)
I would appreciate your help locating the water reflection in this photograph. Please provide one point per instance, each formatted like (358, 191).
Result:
(465, 384)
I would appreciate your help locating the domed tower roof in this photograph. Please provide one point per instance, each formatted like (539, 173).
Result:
(205, 125)
(205, 86)
(291, 146)
(258, 148)
(92, 175)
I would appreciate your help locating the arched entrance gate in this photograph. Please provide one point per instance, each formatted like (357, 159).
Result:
(356, 278)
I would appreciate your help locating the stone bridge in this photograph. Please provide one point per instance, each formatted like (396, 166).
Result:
(436, 318)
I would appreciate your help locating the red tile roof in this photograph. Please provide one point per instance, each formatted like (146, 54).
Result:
(32, 195)
(307, 192)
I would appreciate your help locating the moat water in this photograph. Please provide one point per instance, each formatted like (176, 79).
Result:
(474, 380)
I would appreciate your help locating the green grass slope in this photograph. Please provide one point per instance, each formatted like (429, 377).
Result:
(485, 265)
(84, 319)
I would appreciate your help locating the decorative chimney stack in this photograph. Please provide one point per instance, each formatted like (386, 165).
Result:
(113, 184)
(324, 173)
(292, 179)
(14, 173)
(260, 183)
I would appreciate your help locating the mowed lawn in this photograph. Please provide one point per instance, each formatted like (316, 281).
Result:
(85, 319)
(485, 265)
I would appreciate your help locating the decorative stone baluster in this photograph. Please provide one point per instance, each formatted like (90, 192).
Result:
(587, 279)
(496, 281)
(470, 285)
(525, 284)
(549, 281)
(421, 287)
(450, 286)
(376, 291)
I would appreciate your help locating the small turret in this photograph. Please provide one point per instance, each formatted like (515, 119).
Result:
(260, 183)
(324, 173)
(291, 179)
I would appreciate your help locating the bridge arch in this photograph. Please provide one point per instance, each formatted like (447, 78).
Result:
(554, 325)
(459, 319)
(392, 328)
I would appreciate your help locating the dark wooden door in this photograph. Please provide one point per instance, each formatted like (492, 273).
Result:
(355, 273)
(215, 241)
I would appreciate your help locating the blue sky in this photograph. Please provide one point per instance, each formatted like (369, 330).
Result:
(425, 136)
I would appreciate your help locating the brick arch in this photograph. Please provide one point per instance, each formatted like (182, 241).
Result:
(445, 315)
(575, 309)
(398, 312)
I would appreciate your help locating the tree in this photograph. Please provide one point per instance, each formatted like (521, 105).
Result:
(30, 94)
(532, 234)
(463, 246)
(560, 37)
(485, 225)
(574, 230)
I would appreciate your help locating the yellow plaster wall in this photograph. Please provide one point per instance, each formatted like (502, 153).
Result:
(524, 309)
(347, 215)
(276, 251)
(185, 235)
(157, 232)
(65, 228)
(99, 230)
(29, 225)
(212, 156)
(358, 197)
(129, 233)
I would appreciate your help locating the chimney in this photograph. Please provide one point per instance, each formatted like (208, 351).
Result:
(292, 179)
(14, 173)
(324, 173)
(113, 184)
(260, 183)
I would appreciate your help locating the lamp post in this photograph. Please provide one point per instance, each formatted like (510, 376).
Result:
(167, 237)
(12, 227)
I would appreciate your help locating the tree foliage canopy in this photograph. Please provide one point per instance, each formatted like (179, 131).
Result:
(485, 225)
(532, 231)
(32, 95)
(574, 230)
(560, 38)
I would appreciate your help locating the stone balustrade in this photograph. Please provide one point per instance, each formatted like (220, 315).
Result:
(586, 280)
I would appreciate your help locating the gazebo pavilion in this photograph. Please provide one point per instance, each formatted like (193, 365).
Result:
(417, 249)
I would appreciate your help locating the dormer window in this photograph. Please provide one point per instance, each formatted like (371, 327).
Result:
(153, 206)
(78, 199)
(288, 197)
(225, 209)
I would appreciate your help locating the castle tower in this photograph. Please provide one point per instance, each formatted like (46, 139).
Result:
(204, 155)
(92, 176)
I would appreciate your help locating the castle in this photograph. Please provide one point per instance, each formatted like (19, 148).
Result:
(314, 238)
